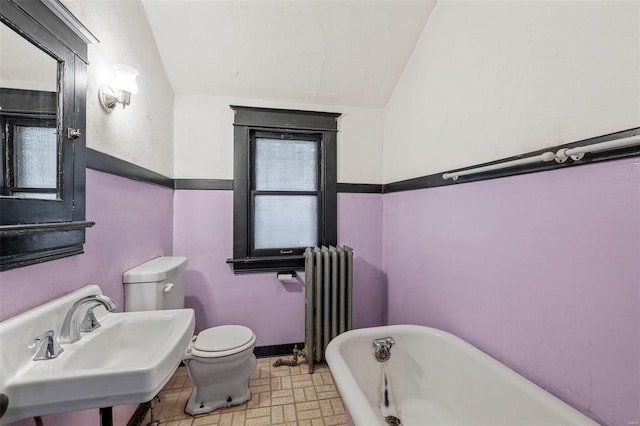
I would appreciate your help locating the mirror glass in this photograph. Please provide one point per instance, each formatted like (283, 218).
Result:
(29, 115)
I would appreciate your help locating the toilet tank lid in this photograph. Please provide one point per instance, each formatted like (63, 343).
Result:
(154, 270)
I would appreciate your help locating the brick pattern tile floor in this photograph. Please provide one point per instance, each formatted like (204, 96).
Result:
(279, 396)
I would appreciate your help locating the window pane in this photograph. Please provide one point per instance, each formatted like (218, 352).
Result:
(286, 165)
(283, 221)
(35, 157)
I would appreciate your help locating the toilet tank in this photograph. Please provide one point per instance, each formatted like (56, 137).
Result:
(155, 285)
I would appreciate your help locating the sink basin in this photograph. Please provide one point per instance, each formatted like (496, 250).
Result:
(131, 341)
(127, 360)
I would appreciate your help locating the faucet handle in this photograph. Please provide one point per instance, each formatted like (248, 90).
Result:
(47, 346)
(385, 342)
(90, 322)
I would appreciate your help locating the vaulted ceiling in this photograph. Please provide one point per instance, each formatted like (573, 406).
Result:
(323, 52)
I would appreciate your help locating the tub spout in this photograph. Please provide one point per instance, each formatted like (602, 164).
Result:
(382, 348)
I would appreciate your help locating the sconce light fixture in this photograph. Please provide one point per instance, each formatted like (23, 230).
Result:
(123, 87)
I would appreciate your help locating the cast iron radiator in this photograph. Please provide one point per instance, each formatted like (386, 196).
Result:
(328, 279)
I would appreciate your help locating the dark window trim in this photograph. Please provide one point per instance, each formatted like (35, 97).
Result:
(9, 124)
(15, 210)
(20, 103)
(250, 119)
(21, 243)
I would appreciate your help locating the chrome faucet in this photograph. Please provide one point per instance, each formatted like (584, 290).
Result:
(71, 327)
(382, 348)
(47, 347)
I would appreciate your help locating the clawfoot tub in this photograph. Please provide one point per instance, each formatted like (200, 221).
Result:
(424, 376)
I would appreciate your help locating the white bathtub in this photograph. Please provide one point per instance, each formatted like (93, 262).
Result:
(436, 378)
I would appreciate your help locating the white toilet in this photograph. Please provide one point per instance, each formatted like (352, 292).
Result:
(219, 360)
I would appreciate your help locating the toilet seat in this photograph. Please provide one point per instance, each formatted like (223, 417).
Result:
(223, 340)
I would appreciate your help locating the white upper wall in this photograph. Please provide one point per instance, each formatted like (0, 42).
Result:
(142, 133)
(204, 138)
(493, 79)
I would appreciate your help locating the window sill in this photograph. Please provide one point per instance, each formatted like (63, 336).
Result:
(267, 264)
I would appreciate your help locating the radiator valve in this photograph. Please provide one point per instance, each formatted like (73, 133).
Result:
(293, 361)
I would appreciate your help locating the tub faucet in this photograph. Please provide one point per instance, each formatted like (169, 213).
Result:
(70, 332)
(382, 348)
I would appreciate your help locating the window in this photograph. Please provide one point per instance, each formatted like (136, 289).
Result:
(284, 192)
(284, 187)
(31, 158)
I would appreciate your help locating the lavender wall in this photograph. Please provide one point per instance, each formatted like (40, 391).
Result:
(203, 232)
(542, 271)
(360, 227)
(133, 224)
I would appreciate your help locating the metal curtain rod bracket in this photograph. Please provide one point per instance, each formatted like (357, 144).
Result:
(560, 156)
(578, 152)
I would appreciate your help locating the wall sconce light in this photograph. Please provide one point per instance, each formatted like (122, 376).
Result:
(123, 87)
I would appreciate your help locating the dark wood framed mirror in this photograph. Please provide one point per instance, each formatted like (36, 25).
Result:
(43, 80)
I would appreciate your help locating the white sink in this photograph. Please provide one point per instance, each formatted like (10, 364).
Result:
(125, 361)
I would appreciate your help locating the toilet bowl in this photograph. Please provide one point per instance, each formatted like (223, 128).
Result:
(219, 360)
